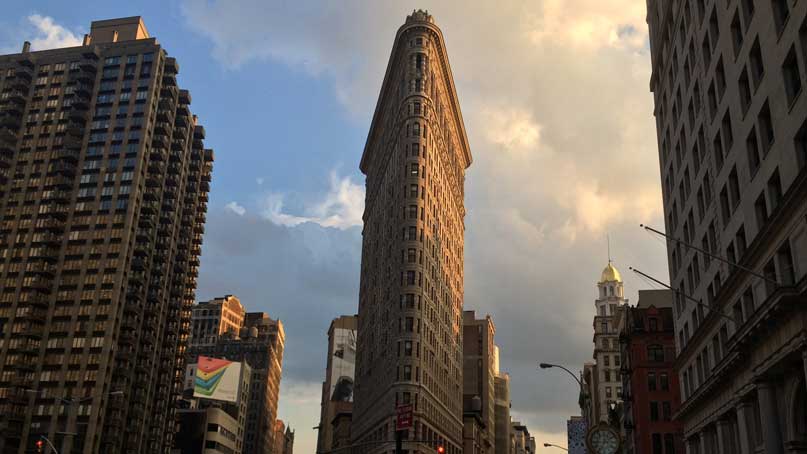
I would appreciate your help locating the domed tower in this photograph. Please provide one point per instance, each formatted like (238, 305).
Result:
(606, 342)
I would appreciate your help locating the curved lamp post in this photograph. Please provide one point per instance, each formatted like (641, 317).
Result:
(583, 399)
(550, 445)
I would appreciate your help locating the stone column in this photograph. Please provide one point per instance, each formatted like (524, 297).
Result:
(743, 413)
(771, 431)
(720, 430)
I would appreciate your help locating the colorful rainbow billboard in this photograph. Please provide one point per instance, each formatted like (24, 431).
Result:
(217, 379)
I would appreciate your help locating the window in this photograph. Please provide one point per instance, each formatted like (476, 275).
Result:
(781, 13)
(608, 392)
(745, 90)
(774, 191)
(748, 301)
(669, 444)
(717, 149)
(653, 324)
(761, 210)
(606, 374)
(407, 373)
(728, 134)
(766, 133)
(792, 76)
(720, 78)
(784, 258)
(714, 28)
(737, 33)
(651, 381)
(664, 381)
(757, 66)
(800, 142)
(752, 148)
(666, 411)
(655, 353)
(725, 206)
(607, 360)
(734, 187)
(654, 411)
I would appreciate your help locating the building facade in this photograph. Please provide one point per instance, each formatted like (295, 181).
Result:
(650, 386)
(732, 136)
(103, 189)
(260, 344)
(283, 438)
(409, 344)
(210, 319)
(213, 426)
(502, 427)
(478, 376)
(337, 389)
(604, 382)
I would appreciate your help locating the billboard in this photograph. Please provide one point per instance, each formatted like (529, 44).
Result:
(217, 379)
(576, 430)
(343, 365)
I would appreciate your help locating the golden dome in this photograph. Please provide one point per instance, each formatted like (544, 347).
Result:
(610, 274)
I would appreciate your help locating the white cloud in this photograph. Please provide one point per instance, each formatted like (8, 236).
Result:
(341, 208)
(236, 208)
(50, 35)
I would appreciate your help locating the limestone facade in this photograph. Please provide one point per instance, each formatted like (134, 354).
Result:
(731, 120)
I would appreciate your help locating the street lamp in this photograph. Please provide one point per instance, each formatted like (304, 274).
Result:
(583, 396)
(550, 445)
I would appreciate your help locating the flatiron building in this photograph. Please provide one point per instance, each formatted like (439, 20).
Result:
(409, 341)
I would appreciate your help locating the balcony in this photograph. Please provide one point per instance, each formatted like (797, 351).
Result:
(162, 127)
(158, 154)
(184, 97)
(171, 66)
(160, 141)
(73, 143)
(169, 90)
(23, 73)
(8, 136)
(14, 97)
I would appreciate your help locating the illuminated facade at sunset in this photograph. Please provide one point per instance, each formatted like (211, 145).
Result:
(409, 347)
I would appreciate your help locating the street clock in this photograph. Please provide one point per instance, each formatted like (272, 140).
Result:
(603, 439)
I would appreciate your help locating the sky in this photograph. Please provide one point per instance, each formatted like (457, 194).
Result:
(556, 101)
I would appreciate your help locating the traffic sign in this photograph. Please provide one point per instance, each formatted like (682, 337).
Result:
(405, 417)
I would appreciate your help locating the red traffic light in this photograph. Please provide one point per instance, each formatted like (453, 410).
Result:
(40, 443)
(441, 450)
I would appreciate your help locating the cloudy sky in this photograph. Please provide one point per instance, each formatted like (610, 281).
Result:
(559, 116)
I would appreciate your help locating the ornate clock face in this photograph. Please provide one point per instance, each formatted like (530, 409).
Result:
(604, 440)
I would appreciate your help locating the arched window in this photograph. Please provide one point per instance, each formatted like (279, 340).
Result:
(611, 290)
(655, 353)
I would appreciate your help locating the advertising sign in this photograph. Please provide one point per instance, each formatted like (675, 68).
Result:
(343, 365)
(576, 429)
(404, 420)
(217, 379)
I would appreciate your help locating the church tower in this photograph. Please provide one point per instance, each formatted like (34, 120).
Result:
(606, 343)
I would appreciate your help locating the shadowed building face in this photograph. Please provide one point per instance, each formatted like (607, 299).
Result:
(409, 348)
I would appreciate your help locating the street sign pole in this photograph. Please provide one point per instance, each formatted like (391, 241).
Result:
(403, 423)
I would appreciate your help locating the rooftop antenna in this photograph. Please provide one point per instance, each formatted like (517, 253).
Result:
(608, 239)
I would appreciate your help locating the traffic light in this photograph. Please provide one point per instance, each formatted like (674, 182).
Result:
(39, 445)
(441, 450)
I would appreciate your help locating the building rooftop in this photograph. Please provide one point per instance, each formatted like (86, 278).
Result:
(121, 29)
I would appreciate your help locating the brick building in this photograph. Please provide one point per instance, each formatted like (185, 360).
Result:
(649, 382)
